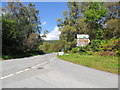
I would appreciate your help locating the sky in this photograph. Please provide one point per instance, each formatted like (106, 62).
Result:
(49, 12)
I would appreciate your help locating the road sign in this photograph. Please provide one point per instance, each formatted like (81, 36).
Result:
(82, 36)
(82, 39)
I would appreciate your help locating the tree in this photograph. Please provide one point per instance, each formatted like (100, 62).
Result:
(69, 26)
(26, 21)
(8, 36)
(94, 15)
(32, 43)
(45, 32)
(113, 10)
(112, 20)
(112, 29)
(45, 47)
(52, 46)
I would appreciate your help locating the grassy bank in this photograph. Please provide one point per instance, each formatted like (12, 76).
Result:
(104, 63)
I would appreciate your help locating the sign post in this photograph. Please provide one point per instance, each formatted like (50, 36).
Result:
(82, 39)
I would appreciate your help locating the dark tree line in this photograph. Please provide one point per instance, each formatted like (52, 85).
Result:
(21, 28)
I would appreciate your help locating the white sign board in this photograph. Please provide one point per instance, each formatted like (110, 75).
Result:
(82, 36)
(82, 39)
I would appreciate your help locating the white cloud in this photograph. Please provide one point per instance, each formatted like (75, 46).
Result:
(44, 23)
(53, 35)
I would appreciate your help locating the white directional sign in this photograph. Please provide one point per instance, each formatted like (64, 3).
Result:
(82, 36)
(82, 39)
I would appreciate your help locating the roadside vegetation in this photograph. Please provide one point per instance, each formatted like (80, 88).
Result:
(100, 20)
(51, 46)
(103, 56)
(104, 63)
(21, 29)
(21, 55)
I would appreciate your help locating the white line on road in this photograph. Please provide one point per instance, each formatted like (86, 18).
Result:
(26, 69)
(6, 76)
(33, 67)
(18, 72)
(37, 65)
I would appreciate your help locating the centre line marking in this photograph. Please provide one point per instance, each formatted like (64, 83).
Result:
(19, 72)
(26, 69)
(37, 65)
(6, 76)
(42, 63)
(33, 67)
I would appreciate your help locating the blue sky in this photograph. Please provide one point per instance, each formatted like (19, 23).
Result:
(49, 12)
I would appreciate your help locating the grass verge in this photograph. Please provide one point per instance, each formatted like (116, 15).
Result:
(104, 63)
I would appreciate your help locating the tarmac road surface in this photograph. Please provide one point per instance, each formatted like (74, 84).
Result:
(47, 71)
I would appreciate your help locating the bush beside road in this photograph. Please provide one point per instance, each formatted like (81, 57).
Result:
(22, 55)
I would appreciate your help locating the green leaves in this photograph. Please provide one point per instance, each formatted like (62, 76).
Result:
(94, 15)
(19, 23)
(95, 12)
(69, 26)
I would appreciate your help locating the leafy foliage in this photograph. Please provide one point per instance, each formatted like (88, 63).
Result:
(104, 48)
(112, 30)
(94, 14)
(52, 46)
(69, 26)
(100, 20)
(20, 27)
(95, 11)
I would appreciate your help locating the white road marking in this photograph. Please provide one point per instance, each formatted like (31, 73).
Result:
(26, 69)
(37, 65)
(6, 76)
(42, 63)
(18, 72)
(33, 67)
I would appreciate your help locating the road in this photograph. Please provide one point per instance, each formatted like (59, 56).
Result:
(47, 71)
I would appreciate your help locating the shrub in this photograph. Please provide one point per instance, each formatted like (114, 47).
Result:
(95, 45)
(65, 50)
(89, 52)
(40, 52)
(107, 53)
(111, 46)
(69, 51)
(82, 49)
(35, 52)
(103, 47)
(75, 50)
